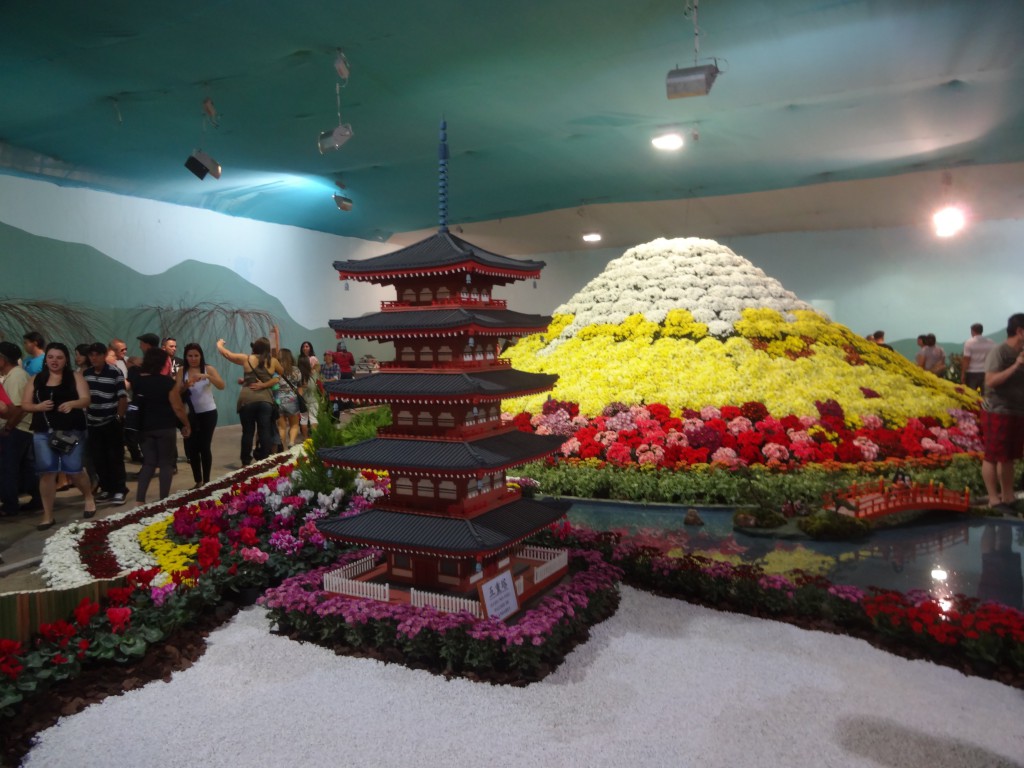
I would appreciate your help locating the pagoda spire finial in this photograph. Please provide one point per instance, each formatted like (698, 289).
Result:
(442, 179)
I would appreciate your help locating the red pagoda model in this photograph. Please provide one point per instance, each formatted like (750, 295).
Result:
(451, 526)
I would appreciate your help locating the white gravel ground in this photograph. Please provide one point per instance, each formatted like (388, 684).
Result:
(662, 683)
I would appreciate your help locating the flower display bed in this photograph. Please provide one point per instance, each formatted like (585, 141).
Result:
(520, 651)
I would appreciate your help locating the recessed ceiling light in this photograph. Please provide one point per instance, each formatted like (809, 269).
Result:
(592, 237)
(668, 141)
(949, 221)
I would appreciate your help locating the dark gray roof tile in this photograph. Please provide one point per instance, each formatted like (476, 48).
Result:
(415, 532)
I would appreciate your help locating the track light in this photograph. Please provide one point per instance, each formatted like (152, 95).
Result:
(201, 164)
(343, 203)
(334, 138)
(592, 237)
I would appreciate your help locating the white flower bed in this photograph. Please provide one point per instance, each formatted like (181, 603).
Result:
(698, 275)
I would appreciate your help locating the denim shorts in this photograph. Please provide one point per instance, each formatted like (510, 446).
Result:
(48, 460)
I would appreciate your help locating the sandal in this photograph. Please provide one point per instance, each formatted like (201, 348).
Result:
(88, 513)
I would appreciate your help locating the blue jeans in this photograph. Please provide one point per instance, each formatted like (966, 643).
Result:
(257, 417)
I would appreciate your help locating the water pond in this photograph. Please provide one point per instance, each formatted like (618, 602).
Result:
(941, 552)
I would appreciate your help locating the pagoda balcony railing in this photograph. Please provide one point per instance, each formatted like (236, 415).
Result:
(400, 306)
(445, 603)
(448, 365)
(451, 508)
(453, 434)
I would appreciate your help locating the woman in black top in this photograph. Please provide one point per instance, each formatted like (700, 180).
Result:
(162, 411)
(57, 400)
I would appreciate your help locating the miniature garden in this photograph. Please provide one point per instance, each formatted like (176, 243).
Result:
(685, 375)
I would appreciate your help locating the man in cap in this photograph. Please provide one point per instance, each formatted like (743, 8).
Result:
(16, 458)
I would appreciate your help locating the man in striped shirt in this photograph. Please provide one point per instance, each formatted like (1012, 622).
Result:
(107, 406)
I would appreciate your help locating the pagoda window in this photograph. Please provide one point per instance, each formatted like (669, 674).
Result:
(490, 352)
(448, 567)
(493, 413)
(443, 292)
(471, 489)
(404, 418)
(446, 420)
(463, 294)
(408, 355)
(446, 490)
(467, 353)
(474, 295)
(479, 354)
(425, 488)
(403, 486)
(444, 354)
(485, 483)
(485, 296)
(426, 295)
(425, 419)
(409, 295)
(426, 355)
(401, 561)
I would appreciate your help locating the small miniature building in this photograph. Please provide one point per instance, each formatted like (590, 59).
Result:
(451, 521)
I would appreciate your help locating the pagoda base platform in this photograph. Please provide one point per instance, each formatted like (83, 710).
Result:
(534, 570)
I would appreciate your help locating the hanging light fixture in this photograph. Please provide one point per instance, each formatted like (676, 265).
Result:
(698, 79)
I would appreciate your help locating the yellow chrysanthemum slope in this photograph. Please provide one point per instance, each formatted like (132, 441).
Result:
(708, 328)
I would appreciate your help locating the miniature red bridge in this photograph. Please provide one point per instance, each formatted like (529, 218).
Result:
(879, 499)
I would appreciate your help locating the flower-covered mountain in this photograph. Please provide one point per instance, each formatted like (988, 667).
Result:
(690, 324)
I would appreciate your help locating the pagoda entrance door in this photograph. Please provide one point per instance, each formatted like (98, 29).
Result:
(424, 572)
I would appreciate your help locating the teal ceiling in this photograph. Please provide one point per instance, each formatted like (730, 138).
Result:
(549, 104)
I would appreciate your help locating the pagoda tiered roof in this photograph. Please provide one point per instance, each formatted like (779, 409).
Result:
(441, 253)
(445, 321)
(445, 458)
(412, 532)
(484, 385)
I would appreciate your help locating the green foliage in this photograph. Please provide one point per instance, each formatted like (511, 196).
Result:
(311, 472)
(760, 487)
(827, 525)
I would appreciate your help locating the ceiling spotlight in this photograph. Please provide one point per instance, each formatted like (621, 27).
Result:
(949, 221)
(668, 141)
(334, 138)
(691, 81)
(201, 164)
(592, 237)
(343, 203)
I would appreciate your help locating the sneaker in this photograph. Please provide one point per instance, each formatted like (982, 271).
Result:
(118, 499)
(104, 496)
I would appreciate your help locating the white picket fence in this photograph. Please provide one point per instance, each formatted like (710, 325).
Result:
(342, 581)
(554, 560)
(444, 603)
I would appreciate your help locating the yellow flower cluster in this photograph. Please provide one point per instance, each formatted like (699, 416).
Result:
(169, 555)
(633, 363)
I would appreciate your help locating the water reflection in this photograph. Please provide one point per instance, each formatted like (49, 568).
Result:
(977, 558)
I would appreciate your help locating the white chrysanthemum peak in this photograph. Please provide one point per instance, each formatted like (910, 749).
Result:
(704, 277)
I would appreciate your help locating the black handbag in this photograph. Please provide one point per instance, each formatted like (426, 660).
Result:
(63, 442)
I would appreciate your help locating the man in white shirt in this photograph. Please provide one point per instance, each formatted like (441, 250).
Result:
(976, 349)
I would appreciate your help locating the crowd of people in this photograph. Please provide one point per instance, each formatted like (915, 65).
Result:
(68, 418)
